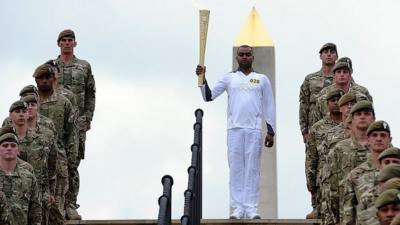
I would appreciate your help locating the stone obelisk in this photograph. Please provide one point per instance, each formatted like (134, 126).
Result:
(255, 35)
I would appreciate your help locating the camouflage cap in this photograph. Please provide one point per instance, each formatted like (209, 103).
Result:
(348, 97)
(327, 46)
(340, 65)
(379, 125)
(389, 172)
(393, 183)
(334, 93)
(29, 89)
(18, 105)
(346, 60)
(363, 105)
(390, 196)
(43, 70)
(389, 152)
(29, 98)
(8, 136)
(66, 33)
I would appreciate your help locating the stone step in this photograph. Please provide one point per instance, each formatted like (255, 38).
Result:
(203, 222)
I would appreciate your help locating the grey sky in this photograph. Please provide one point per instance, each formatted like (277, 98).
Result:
(143, 55)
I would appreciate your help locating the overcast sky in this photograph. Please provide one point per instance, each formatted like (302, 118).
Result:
(143, 55)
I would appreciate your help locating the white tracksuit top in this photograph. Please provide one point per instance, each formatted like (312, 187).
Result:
(250, 99)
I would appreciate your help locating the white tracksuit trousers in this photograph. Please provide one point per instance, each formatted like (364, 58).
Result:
(244, 158)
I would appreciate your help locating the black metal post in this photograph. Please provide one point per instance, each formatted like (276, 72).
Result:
(164, 213)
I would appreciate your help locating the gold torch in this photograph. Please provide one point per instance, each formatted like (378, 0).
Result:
(204, 17)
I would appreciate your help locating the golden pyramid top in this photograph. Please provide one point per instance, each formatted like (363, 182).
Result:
(254, 33)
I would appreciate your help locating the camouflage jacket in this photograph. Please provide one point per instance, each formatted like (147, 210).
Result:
(5, 218)
(309, 90)
(321, 109)
(59, 109)
(360, 193)
(21, 203)
(345, 156)
(39, 149)
(78, 78)
(332, 136)
(313, 163)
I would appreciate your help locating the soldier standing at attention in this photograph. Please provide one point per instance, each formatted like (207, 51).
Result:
(19, 194)
(313, 84)
(360, 186)
(76, 76)
(59, 109)
(309, 90)
(315, 159)
(349, 153)
(250, 102)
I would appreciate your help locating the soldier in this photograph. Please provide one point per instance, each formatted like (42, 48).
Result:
(389, 156)
(41, 151)
(342, 80)
(314, 159)
(388, 206)
(20, 198)
(59, 109)
(76, 75)
(38, 148)
(360, 189)
(333, 136)
(313, 84)
(348, 154)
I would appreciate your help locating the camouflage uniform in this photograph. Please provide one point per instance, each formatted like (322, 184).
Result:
(360, 193)
(345, 156)
(78, 78)
(5, 219)
(333, 136)
(21, 203)
(59, 109)
(321, 109)
(309, 90)
(315, 159)
(360, 92)
(39, 149)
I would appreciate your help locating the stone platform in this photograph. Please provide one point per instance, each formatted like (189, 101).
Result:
(203, 222)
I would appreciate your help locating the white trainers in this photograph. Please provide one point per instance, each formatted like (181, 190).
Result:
(236, 215)
(253, 216)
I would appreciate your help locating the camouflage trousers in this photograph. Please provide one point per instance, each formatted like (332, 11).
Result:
(73, 179)
(62, 181)
(329, 202)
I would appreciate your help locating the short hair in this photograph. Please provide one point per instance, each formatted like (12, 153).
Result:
(245, 46)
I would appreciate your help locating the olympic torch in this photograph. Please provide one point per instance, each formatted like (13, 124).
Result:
(204, 18)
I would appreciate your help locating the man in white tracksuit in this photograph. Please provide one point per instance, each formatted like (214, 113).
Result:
(250, 101)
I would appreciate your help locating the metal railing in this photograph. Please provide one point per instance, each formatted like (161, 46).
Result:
(164, 201)
(192, 212)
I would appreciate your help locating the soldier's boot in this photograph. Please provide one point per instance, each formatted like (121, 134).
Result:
(312, 215)
(72, 214)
